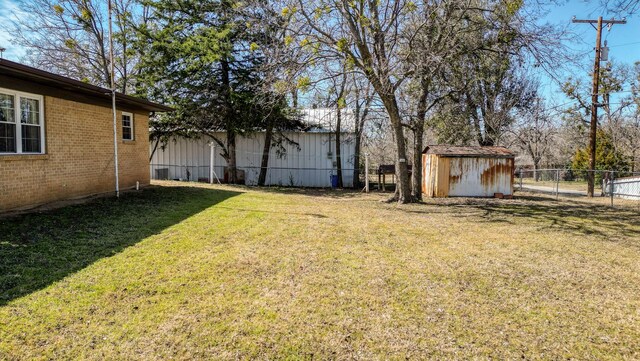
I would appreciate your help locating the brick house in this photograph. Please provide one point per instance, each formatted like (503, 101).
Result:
(56, 138)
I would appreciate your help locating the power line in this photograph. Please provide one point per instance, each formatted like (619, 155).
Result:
(626, 44)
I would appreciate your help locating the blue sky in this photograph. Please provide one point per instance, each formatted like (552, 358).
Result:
(623, 40)
(8, 10)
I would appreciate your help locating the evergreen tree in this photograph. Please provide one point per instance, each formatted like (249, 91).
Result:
(607, 156)
(204, 58)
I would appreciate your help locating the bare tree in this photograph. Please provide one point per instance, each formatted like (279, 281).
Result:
(535, 134)
(429, 52)
(367, 34)
(69, 37)
(361, 98)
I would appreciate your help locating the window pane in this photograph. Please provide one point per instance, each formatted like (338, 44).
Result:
(126, 133)
(7, 138)
(7, 108)
(29, 111)
(127, 127)
(31, 139)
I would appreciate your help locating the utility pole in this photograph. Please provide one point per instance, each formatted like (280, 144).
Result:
(594, 96)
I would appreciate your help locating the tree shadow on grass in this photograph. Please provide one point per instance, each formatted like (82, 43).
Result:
(38, 249)
(345, 193)
(575, 217)
(613, 224)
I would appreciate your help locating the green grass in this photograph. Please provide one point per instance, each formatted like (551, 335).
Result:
(571, 185)
(226, 272)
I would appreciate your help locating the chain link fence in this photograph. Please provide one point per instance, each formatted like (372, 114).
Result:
(614, 188)
(275, 176)
(278, 176)
(610, 187)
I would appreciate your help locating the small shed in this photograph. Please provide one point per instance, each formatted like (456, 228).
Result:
(452, 171)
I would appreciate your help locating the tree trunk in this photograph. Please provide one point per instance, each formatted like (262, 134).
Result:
(418, 142)
(294, 98)
(356, 160)
(231, 161)
(338, 153)
(228, 114)
(265, 155)
(403, 186)
(155, 147)
(360, 115)
(416, 172)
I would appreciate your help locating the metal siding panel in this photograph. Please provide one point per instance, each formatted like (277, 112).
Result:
(424, 174)
(434, 174)
(309, 167)
(427, 175)
(626, 188)
(442, 177)
(480, 177)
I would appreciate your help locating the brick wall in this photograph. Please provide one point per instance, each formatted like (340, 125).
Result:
(79, 157)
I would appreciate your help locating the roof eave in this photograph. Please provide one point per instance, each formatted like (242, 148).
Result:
(35, 75)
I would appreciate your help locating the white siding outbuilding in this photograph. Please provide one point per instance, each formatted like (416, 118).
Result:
(310, 164)
(627, 187)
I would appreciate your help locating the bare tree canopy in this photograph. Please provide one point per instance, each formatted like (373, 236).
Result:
(69, 37)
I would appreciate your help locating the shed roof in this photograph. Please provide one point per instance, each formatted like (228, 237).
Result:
(44, 78)
(472, 152)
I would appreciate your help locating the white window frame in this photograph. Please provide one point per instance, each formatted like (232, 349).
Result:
(16, 96)
(133, 136)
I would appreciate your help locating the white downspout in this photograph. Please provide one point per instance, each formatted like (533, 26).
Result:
(113, 105)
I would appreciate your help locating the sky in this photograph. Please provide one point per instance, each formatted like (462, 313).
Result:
(8, 10)
(623, 40)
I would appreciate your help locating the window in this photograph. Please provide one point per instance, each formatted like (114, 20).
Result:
(127, 126)
(30, 121)
(21, 123)
(7, 124)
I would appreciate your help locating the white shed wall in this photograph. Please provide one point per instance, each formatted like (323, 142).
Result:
(310, 166)
(480, 177)
(628, 188)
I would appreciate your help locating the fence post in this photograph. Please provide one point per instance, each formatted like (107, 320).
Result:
(520, 179)
(557, 183)
(211, 155)
(366, 172)
(212, 164)
(611, 187)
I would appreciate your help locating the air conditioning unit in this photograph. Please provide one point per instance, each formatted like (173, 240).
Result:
(162, 173)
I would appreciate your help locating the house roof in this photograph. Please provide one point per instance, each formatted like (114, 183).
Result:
(44, 78)
(473, 152)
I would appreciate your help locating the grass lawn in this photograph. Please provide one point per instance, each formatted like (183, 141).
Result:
(571, 185)
(204, 272)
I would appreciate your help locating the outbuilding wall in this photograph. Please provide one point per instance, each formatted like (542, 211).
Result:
(480, 177)
(466, 176)
(628, 188)
(310, 164)
(79, 157)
